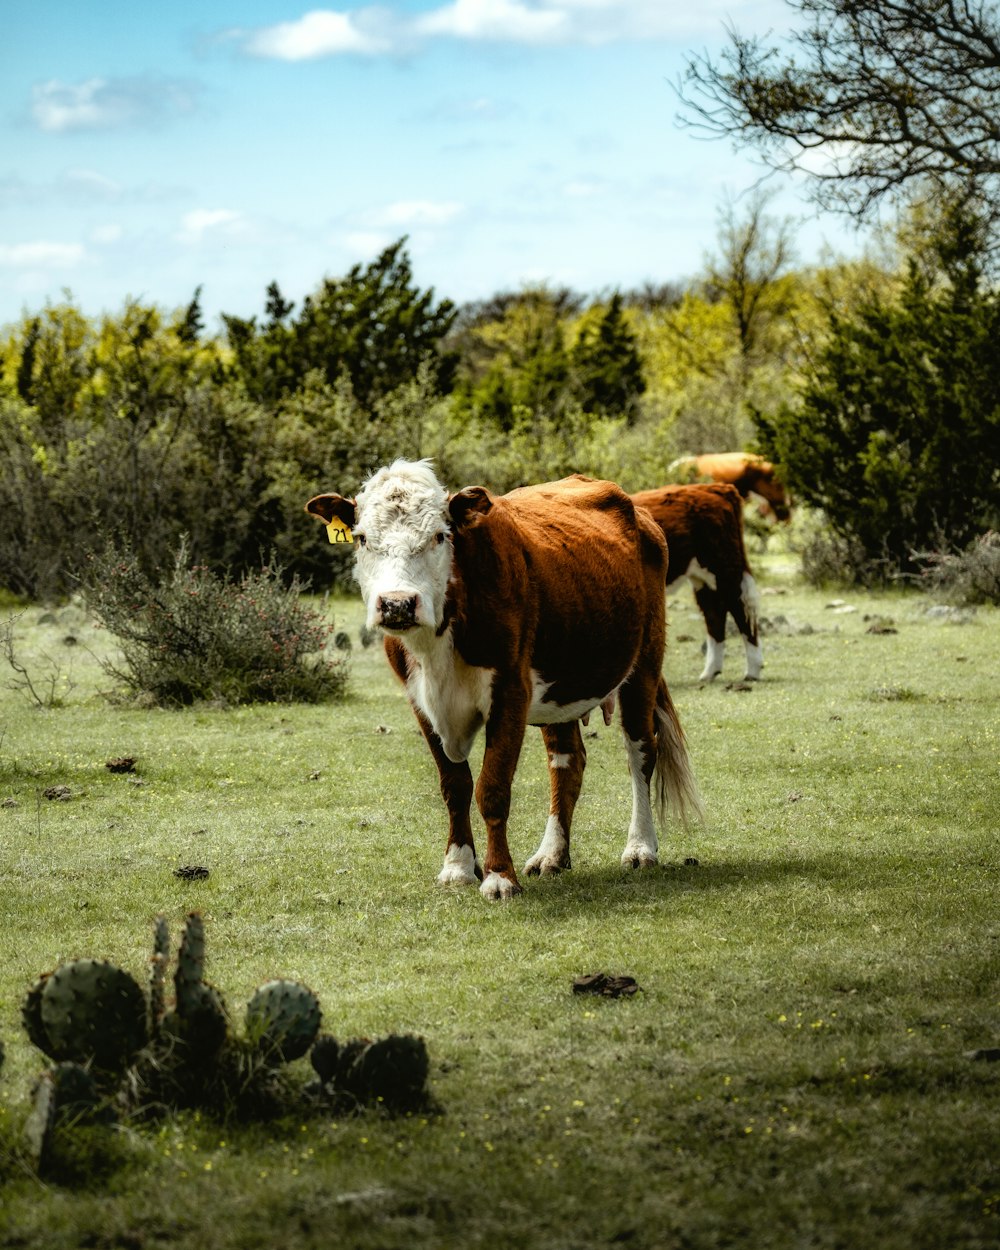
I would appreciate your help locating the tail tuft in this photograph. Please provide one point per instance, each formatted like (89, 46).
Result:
(675, 786)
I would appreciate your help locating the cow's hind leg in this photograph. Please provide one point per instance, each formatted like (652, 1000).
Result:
(638, 703)
(744, 610)
(714, 611)
(567, 759)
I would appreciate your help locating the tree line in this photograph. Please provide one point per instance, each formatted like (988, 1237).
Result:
(874, 384)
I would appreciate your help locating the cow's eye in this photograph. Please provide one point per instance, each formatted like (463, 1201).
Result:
(439, 538)
(360, 539)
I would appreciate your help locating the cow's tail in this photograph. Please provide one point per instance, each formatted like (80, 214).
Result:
(674, 785)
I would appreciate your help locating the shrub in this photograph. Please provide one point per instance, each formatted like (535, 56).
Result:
(896, 431)
(199, 636)
(971, 576)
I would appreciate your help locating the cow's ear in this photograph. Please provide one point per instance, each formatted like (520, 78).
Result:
(326, 507)
(469, 506)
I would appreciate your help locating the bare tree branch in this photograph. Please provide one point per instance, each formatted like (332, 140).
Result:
(867, 97)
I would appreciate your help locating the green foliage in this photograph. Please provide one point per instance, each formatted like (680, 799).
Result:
(373, 326)
(197, 636)
(608, 371)
(896, 434)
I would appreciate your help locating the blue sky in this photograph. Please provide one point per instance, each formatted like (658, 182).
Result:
(149, 149)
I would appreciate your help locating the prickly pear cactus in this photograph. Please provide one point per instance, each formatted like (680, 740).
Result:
(76, 1091)
(190, 964)
(199, 1016)
(87, 1010)
(41, 1119)
(282, 1019)
(158, 971)
(31, 1015)
(325, 1057)
(392, 1070)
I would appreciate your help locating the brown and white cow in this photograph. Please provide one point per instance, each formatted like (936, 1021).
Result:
(703, 526)
(753, 476)
(530, 608)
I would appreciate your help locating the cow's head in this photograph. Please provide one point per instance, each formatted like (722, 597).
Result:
(401, 522)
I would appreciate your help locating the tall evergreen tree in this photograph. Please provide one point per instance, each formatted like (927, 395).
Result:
(609, 375)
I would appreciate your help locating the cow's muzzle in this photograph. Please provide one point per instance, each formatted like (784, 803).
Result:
(396, 611)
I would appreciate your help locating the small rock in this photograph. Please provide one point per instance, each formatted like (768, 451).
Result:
(60, 794)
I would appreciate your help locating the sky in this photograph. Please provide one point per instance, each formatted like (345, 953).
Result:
(148, 150)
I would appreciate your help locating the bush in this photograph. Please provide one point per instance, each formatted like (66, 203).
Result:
(896, 433)
(199, 636)
(965, 577)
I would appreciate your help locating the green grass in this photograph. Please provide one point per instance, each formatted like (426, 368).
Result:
(792, 1073)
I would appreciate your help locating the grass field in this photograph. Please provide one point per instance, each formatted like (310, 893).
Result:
(816, 962)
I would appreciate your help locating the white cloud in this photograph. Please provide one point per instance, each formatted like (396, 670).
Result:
(41, 255)
(323, 32)
(106, 103)
(373, 30)
(509, 21)
(202, 221)
(419, 213)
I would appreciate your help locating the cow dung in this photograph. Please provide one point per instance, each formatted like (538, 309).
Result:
(606, 985)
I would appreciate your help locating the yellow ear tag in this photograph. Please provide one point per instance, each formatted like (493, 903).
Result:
(339, 531)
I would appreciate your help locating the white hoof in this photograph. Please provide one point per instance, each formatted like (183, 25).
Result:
(638, 856)
(553, 853)
(495, 887)
(459, 867)
(545, 865)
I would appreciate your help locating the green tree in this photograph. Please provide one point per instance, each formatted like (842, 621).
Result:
(897, 433)
(513, 356)
(374, 326)
(607, 367)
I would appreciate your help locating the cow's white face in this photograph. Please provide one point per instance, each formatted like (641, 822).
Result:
(404, 550)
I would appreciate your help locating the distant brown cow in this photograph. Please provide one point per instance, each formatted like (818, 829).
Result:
(703, 526)
(751, 475)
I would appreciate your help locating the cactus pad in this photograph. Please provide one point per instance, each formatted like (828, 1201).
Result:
(325, 1057)
(91, 1010)
(392, 1070)
(31, 1016)
(283, 1018)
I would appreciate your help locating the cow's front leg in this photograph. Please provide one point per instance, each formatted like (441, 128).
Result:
(567, 759)
(460, 864)
(504, 735)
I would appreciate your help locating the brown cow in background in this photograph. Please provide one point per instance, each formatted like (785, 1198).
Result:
(703, 526)
(750, 474)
